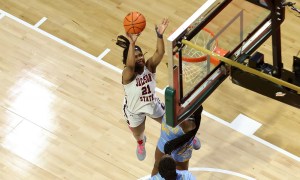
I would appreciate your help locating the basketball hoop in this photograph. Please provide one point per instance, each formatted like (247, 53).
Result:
(195, 64)
(202, 39)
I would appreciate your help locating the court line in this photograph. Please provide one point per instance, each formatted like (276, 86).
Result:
(223, 171)
(60, 41)
(191, 19)
(161, 91)
(266, 143)
(212, 170)
(97, 59)
(38, 24)
(1, 15)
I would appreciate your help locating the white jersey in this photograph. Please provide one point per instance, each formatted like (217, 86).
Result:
(140, 94)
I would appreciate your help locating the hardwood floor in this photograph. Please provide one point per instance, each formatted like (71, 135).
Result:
(60, 111)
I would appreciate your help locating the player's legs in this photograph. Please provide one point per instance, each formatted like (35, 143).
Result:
(158, 155)
(187, 126)
(158, 111)
(136, 123)
(159, 119)
(138, 133)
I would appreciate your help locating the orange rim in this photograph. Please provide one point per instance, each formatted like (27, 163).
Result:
(213, 60)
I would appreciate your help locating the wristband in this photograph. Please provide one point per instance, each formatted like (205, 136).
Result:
(160, 36)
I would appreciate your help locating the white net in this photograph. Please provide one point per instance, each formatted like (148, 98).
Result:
(195, 64)
(205, 39)
(194, 71)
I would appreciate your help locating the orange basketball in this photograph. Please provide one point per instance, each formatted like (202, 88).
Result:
(134, 23)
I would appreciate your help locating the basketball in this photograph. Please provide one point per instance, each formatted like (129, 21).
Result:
(134, 23)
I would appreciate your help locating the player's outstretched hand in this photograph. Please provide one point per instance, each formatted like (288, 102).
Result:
(160, 29)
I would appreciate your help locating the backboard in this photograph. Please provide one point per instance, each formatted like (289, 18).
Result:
(226, 27)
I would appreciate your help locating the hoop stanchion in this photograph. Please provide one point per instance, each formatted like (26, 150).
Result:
(243, 67)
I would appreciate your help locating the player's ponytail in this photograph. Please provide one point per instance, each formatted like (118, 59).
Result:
(123, 42)
(180, 141)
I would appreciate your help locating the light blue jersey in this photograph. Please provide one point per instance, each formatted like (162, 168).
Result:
(181, 175)
(181, 154)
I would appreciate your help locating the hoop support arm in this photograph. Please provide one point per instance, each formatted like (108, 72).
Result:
(243, 67)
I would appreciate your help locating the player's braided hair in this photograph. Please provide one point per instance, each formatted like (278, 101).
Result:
(123, 42)
(180, 141)
(167, 168)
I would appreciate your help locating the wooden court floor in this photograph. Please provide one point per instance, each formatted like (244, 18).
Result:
(59, 120)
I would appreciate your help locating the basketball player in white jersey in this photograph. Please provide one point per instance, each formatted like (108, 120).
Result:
(138, 79)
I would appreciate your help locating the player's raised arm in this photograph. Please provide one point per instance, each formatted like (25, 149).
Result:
(129, 69)
(153, 62)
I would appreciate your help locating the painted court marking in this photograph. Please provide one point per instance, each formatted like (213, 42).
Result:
(1, 15)
(245, 125)
(99, 58)
(266, 143)
(60, 41)
(222, 171)
(238, 124)
(38, 24)
(212, 170)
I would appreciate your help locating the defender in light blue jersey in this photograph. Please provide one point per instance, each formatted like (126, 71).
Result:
(178, 143)
(167, 169)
